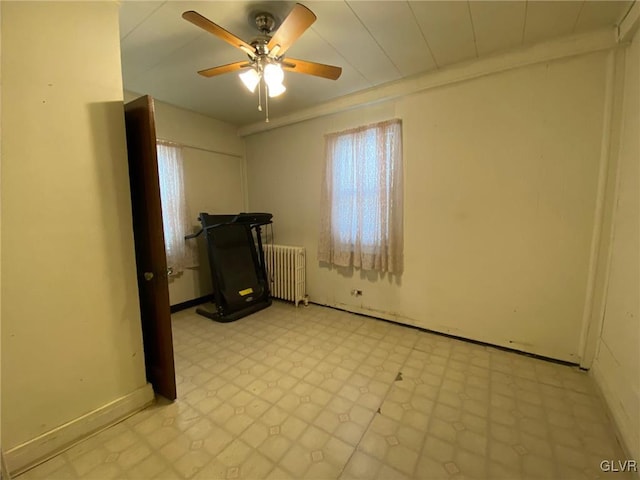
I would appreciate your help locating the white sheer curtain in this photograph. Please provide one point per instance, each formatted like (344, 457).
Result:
(362, 197)
(175, 222)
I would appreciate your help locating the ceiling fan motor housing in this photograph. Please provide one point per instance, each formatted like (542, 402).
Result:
(265, 22)
(260, 44)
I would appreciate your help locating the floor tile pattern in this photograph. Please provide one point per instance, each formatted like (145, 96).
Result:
(316, 393)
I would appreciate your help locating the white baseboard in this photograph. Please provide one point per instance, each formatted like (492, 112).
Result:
(538, 350)
(43, 447)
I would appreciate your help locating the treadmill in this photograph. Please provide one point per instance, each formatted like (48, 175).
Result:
(236, 260)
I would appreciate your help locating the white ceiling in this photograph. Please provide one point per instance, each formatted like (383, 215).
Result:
(374, 42)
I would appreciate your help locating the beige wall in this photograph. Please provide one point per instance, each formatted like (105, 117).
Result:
(617, 364)
(71, 339)
(214, 180)
(3, 470)
(501, 176)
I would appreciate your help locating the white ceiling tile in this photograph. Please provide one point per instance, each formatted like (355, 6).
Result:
(598, 14)
(447, 28)
(341, 28)
(314, 48)
(550, 19)
(373, 41)
(161, 33)
(498, 25)
(395, 29)
(132, 13)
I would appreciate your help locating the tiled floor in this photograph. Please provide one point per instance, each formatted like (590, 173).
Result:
(312, 392)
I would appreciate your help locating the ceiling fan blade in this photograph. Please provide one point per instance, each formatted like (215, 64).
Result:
(298, 20)
(312, 68)
(229, 67)
(206, 24)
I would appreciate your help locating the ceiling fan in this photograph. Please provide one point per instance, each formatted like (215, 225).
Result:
(266, 52)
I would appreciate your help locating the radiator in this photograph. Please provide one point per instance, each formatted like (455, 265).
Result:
(286, 272)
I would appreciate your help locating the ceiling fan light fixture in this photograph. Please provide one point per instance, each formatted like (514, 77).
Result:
(276, 89)
(273, 75)
(250, 78)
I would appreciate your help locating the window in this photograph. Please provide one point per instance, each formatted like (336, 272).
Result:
(174, 207)
(361, 223)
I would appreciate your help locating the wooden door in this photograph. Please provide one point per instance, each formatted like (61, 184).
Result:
(151, 261)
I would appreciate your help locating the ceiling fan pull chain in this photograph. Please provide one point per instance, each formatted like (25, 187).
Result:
(266, 101)
(259, 95)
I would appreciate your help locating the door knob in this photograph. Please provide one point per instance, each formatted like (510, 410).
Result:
(148, 276)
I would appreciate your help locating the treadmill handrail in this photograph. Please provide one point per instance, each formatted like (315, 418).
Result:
(237, 219)
(241, 219)
(194, 235)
